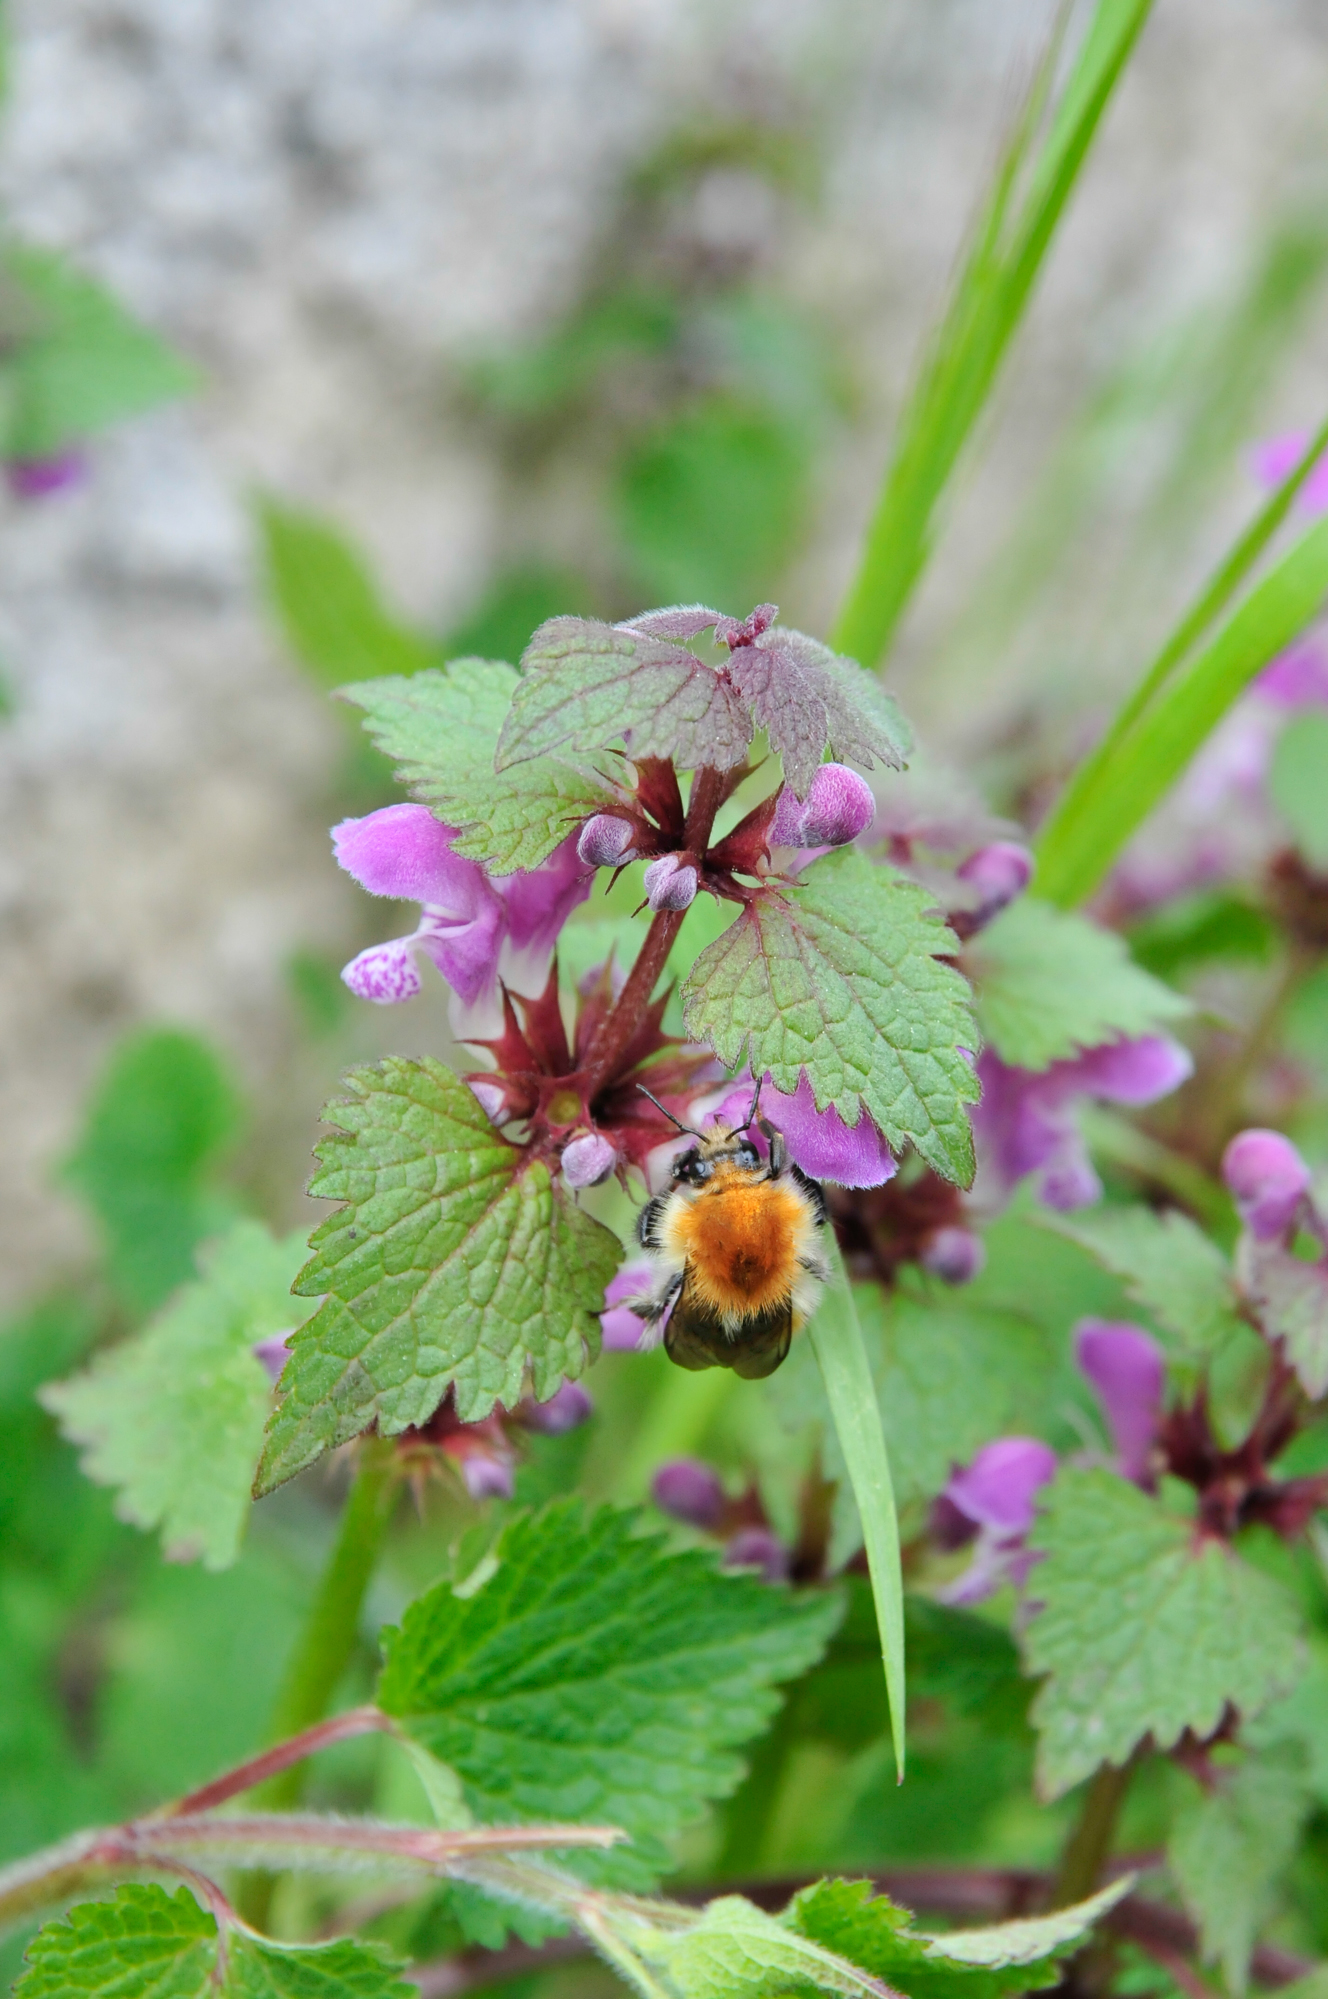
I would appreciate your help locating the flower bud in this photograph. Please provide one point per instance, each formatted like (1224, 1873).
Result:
(1268, 1179)
(491, 1098)
(999, 872)
(566, 1409)
(758, 1548)
(954, 1254)
(838, 806)
(606, 841)
(486, 1477)
(670, 883)
(690, 1491)
(272, 1354)
(588, 1160)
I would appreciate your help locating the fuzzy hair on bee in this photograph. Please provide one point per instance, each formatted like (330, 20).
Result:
(735, 1250)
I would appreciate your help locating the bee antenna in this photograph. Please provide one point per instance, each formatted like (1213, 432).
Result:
(751, 1115)
(668, 1114)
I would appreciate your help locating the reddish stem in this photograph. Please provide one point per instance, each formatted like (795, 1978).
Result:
(341, 1727)
(618, 1028)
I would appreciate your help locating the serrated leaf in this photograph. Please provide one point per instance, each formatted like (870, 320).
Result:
(147, 1944)
(1145, 1627)
(1228, 1848)
(585, 686)
(84, 363)
(841, 978)
(1049, 984)
(598, 1670)
(441, 730)
(847, 1917)
(735, 1951)
(331, 609)
(809, 699)
(455, 1262)
(1168, 1266)
(174, 1415)
(1290, 1298)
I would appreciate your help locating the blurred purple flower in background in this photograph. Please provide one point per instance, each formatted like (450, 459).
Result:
(1128, 1373)
(1025, 1122)
(39, 478)
(991, 1503)
(1269, 1182)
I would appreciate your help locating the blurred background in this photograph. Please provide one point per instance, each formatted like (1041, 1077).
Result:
(550, 304)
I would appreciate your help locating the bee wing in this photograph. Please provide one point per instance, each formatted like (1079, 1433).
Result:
(695, 1338)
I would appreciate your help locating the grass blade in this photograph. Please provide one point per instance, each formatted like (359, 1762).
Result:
(1146, 758)
(988, 302)
(1060, 835)
(841, 1355)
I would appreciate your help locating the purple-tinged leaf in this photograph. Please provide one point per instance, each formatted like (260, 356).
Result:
(1290, 1299)
(809, 699)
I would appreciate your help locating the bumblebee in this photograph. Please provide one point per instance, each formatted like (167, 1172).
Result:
(736, 1251)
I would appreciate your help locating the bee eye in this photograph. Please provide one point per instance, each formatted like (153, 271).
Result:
(748, 1156)
(699, 1169)
(684, 1165)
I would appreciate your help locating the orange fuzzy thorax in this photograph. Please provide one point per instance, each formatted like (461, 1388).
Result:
(742, 1239)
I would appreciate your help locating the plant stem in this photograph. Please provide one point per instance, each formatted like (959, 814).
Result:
(327, 1642)
(1089, 1844)
(619, 1027)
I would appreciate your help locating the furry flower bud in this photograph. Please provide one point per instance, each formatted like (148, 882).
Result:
(606, 841)
(999, 872)
(1268, 1179)
(954, 1254)
(566, 1409)
(838, 806)
(588, 1160)
(670, 883)
(690, 1491)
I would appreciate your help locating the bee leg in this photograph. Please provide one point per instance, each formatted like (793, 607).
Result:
(814, 1192)
(778, 1150)
(654, 1310)
(647, 1222)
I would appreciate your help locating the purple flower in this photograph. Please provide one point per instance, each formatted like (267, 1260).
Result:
(273, 1353)
(567, 1408)
(996, 1494)
(1128, 1375)
(839, 804)
(852, 1155)
(472, 926)
(1297, 678)
(1277, 456)
(954, 1254)
(758, 1548)
(690, 1491)
(485, 1476)
(1025, 1121)
(621, 1328)
(38, 478)
(588, 1160)
(998, 872)
(1268, 1180)
(670, 883)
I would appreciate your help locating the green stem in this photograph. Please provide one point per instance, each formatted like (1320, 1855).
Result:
(327, 1643)
(1089, 1845)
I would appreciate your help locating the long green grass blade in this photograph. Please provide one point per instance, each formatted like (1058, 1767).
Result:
(1077, 801)
(841, 1355)
(1078, 848)
(1027, 198)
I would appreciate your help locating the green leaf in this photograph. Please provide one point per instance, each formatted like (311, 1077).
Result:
(1096, 818)
(147, 1944)
(1146, 1627)
(441, 730)
(174, 1415)
(1290, 1299)
(162, 1112)
(584, 685)
(331, 610)
(1023, 206)
(1049, 984)
(1298, 782)
(1228, 1849)
(83, 362)
(841, 978)
(836, 1339)
(1168, 1266)
(710, 505)
(735, 1951)
(873, 1932)
(595, 1670)
(455, 1262)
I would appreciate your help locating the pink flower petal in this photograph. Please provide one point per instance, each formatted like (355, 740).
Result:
(540, 900)
(403, 851)
(1128, 1374)
(852, 1155)
(998, 1489)
(1268, 1180)
(385, 973)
